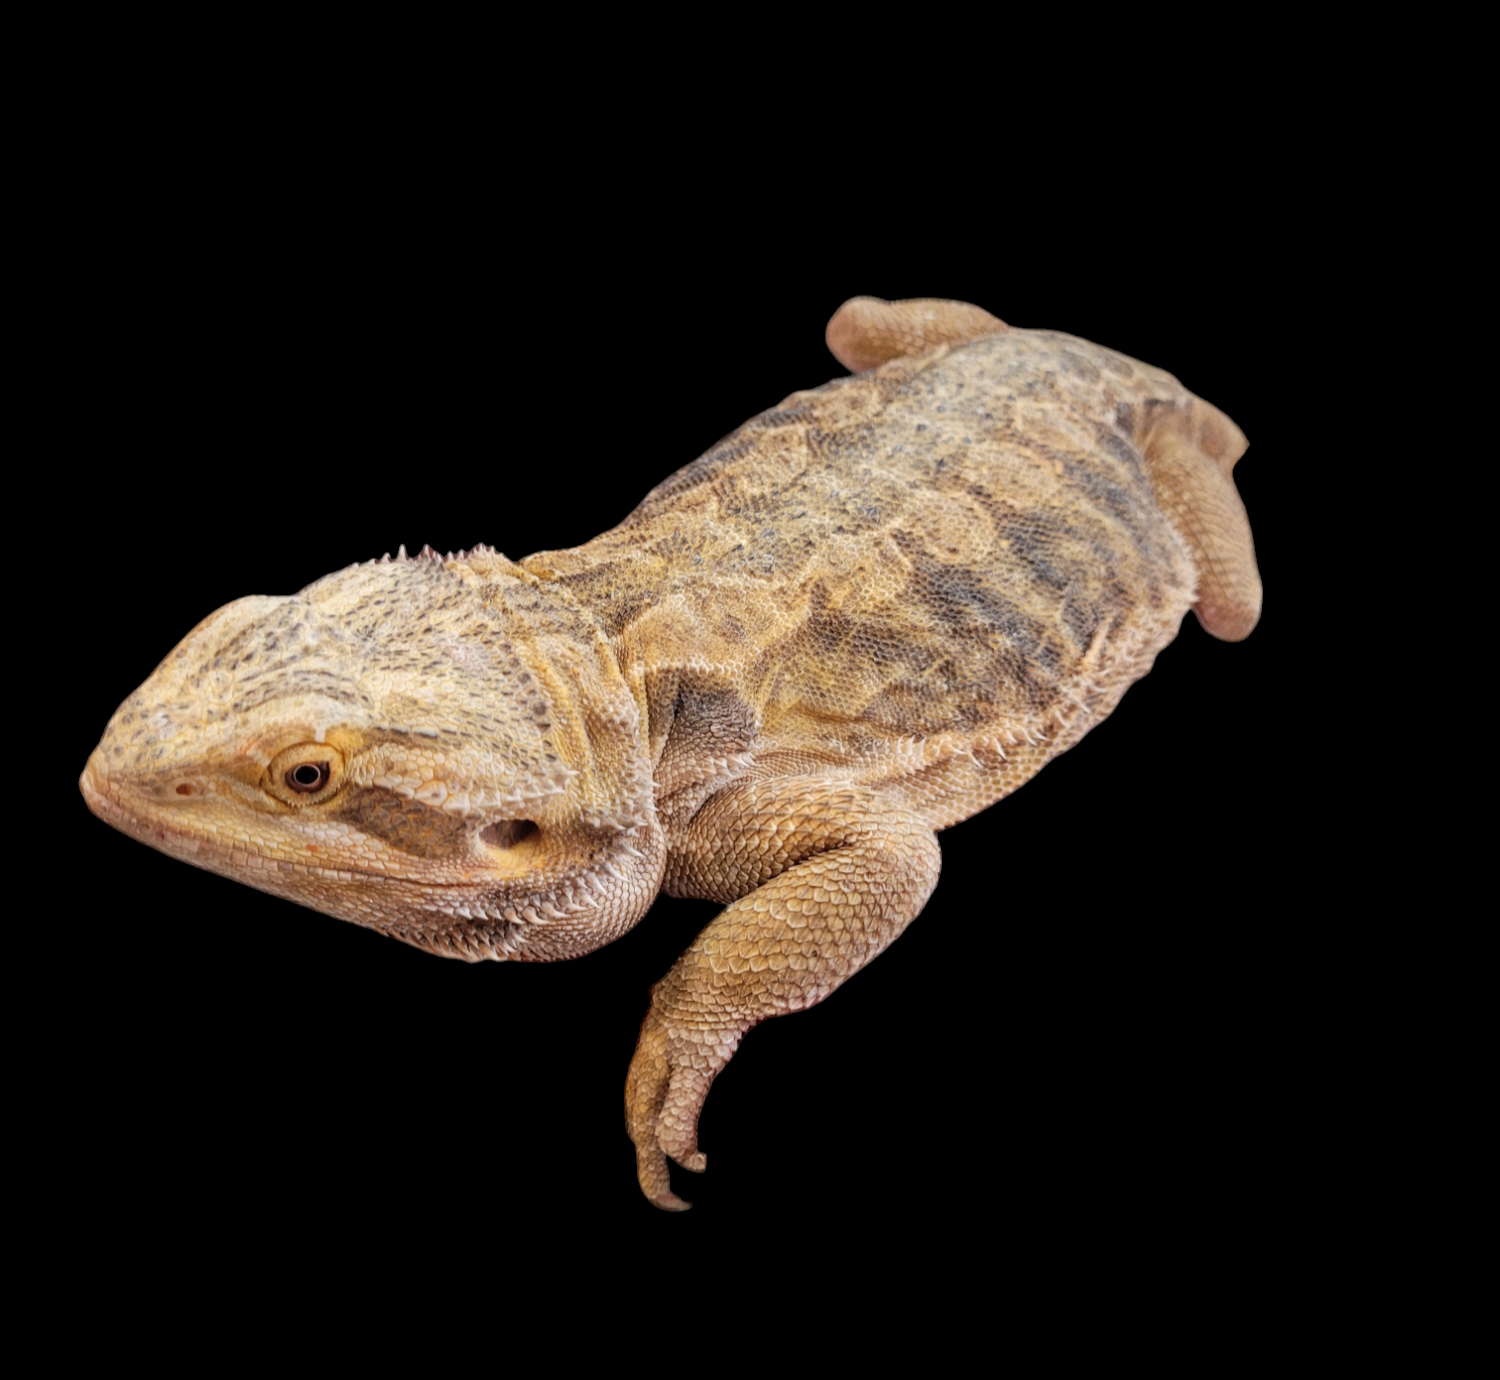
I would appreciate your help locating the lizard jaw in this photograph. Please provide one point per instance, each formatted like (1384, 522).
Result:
(467, 919)
(101, 800)
(104, 802)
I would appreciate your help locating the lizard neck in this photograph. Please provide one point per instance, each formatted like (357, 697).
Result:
(588, 862)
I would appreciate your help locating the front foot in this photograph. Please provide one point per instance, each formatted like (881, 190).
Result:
(670, 1075)
(827, 874)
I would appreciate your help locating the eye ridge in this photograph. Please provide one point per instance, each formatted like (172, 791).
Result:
(307, 777)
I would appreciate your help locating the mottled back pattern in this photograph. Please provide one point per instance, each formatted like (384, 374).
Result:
(956, 553)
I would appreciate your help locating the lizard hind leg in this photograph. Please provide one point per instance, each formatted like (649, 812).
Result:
(867, 331)
(1190, 453)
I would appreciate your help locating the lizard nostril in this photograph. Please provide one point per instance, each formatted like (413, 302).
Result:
(185, 789)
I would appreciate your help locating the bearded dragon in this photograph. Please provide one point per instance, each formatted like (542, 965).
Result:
(864, 616)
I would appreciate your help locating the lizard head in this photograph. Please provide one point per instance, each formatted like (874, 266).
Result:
(442, 750)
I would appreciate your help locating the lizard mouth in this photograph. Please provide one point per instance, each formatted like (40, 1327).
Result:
(96, 794)
(238, 863)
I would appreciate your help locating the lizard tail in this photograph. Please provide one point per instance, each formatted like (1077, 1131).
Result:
(866, 331)
(1190, 452)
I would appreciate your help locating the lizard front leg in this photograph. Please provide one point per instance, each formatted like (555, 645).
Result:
(819, 877)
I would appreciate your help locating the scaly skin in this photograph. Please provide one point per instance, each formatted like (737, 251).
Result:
(862, 617)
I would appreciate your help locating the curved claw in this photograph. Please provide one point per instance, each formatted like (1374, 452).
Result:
(656, 1184)
(677, 1119)
(664, 1092)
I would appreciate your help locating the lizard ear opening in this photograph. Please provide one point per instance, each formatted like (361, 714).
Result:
(507, 833)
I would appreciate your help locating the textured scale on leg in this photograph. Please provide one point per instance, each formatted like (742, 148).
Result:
(1191, 453)
(821, 876)
(866, 332)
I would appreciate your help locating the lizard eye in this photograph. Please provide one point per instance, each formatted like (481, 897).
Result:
(307, 774)
(308, 777)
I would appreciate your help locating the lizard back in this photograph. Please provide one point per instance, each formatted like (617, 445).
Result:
(931, 577)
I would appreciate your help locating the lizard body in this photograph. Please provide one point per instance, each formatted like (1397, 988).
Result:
(866, 615)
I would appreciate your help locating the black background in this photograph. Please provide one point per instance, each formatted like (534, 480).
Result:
(1085, 1033)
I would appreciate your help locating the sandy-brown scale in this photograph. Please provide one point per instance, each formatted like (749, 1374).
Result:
(865, 615)
(408, 825)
